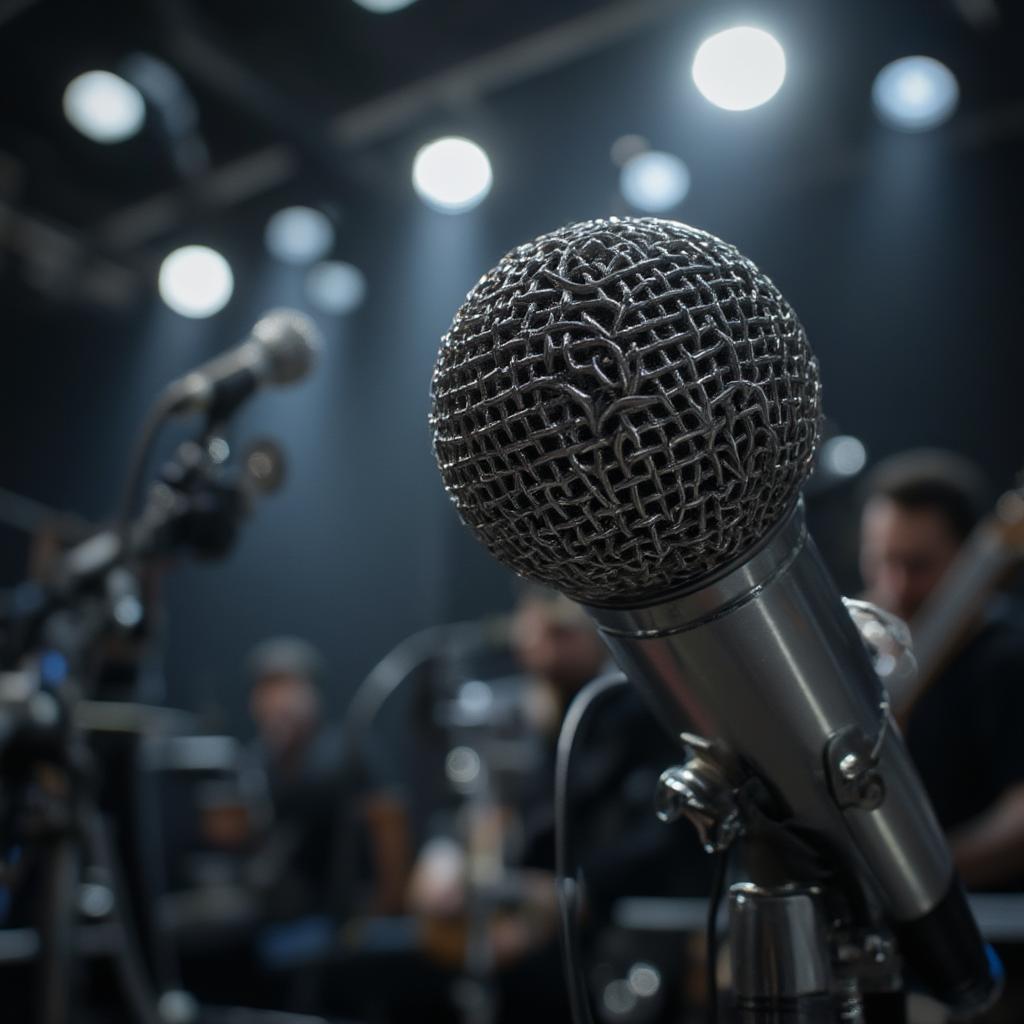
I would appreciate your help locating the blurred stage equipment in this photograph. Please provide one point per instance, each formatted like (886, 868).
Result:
(626, 410)
(280, 350)
(57, 632)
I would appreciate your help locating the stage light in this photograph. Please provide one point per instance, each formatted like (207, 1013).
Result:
(843, 455)
(104, 107)
(915, 93)
(299, 235)
(384, 6)
(654, 181)
(452, 174)
(740, 68)
(196, 281)
(335, 287)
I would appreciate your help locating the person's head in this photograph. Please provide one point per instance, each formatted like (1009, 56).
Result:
(284, 698)
(920, 507)
(553, 638)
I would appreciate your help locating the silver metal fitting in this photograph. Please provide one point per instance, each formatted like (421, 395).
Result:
(699, 790)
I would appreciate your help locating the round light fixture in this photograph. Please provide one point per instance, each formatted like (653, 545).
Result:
(384, 6)
(740, 68)
(196, 281)
(653, 181)
(299, 235)
(104, 107)
(335, 287)
(914, 94)
(452, 174)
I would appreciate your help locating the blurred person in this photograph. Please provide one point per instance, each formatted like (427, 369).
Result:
(302, 757)
(964, 731)
(621, 846)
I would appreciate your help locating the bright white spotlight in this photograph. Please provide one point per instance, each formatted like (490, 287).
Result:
(740, 68)
(915, 93)
(104, 107)
(384, 6)
(335, 287)
(196, 281)
(299, 234)
(653, 181)
(452, 174)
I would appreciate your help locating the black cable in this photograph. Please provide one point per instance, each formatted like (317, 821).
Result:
(367, 703)
(714, 902)
(568, 888)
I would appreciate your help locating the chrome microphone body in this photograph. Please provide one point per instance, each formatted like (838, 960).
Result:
(767, 660)
(626, 410)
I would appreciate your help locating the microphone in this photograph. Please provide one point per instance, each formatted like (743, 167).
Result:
(280, 349)
(625, 410)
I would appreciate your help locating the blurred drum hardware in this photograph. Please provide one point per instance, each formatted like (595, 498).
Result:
(491, 753)
(212, 800)
(58, 636)
(486, 700)
(989, 558)
(626, 409)
(492, 750)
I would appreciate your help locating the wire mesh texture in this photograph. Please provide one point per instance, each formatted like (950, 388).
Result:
(623, 407)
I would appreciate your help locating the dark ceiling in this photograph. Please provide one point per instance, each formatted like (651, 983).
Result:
(321, 92)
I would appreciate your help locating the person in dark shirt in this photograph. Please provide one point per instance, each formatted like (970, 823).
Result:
(302, 758)
(621, 846)
(965, 735)
(965, 732)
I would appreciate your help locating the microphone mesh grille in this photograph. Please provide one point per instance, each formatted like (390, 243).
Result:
(623, 407)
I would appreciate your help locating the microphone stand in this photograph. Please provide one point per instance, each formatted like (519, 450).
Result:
(50, 649)
(804, 946)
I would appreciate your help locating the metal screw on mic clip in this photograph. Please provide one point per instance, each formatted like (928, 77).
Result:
(697, 791)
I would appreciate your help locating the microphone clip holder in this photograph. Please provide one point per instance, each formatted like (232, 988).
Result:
(703, 791)
(798, 950)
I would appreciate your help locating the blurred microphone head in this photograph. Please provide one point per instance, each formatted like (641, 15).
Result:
(624, 408)
(289, 342)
